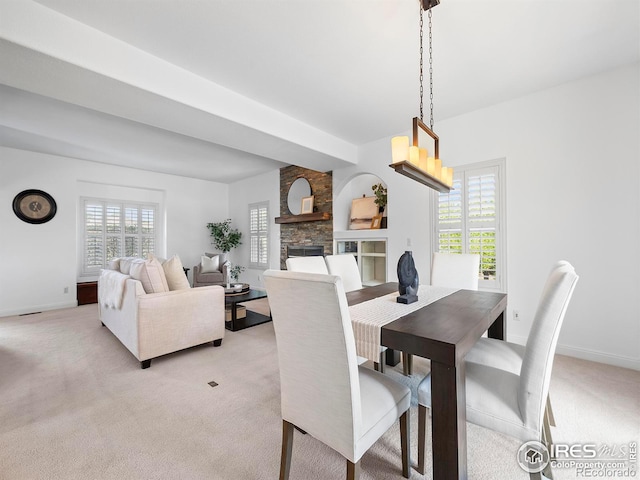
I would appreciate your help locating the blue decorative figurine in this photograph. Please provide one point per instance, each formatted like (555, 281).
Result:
(407, 279)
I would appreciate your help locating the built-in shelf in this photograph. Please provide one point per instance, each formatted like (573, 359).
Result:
(304, 217)
(371, 256)
(409, 170)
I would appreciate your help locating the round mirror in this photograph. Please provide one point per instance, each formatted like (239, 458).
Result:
(299, 189)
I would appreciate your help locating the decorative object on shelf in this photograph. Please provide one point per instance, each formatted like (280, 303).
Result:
(306, 205)
(223, 237)
(362, 212)
(299, 189)
(34, 206)
(380, 191)
(376, 222)
(421, 161)
(408, 280)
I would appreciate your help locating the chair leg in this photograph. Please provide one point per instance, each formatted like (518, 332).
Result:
(407, 364)
(546, 432)
(379, 365)
(405, 444)
(422, 440)
(552, 419)
(287, 447)
(353, 470)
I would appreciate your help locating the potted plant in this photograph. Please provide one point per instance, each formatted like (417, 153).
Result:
(235, 272)
(380, 191)
(223, 237)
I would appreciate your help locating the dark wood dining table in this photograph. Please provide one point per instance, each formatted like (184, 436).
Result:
(444, 331)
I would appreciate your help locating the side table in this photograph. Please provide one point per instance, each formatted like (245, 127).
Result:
(251, 318)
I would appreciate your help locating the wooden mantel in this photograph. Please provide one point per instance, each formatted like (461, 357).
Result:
(305, 217)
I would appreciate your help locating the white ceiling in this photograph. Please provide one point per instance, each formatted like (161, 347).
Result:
(337, 73)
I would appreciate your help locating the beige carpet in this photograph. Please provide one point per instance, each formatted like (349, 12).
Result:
(74, 404)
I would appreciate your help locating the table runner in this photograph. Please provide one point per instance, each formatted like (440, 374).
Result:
(367, 318)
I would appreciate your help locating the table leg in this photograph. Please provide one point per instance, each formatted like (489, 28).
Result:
(234, 315)
(392, 357)
(448, 421)
(498, 328)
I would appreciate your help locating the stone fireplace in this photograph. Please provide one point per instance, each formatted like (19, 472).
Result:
(307, 236)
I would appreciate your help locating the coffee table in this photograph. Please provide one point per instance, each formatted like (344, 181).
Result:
(252, 318)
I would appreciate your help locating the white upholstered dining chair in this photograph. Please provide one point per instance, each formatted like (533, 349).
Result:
(508, 402)
(507, 355)
(345, 406)
(454, 270)
(314, 264)
(346, 267)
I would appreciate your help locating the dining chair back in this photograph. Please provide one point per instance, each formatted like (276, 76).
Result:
(456, 270)
(345, 406)
(500, 353)
(505, 401)
(537, 364)
(314, 264)
(346, 267)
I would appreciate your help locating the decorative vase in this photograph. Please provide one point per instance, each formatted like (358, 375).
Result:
(408, 280)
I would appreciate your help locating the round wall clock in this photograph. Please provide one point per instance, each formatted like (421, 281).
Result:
(34, 206)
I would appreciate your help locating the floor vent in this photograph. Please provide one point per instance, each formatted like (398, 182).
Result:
(212, 384)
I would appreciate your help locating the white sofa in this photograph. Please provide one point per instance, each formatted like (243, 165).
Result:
(154, 313)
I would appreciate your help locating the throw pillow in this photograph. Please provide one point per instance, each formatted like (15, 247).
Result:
(222, 257)
(125, 264)
(209, 265)
(114, 264)
(151, 275)
(176, 279)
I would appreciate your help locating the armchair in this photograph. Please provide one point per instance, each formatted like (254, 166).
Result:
(210, 270)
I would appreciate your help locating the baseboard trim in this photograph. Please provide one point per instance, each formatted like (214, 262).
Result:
(591, 355)
(38, 308)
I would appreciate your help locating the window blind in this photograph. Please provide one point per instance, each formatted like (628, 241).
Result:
(259, 235)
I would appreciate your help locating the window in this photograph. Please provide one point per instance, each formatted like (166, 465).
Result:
(470, 219)
(259, 235)
(116, 229)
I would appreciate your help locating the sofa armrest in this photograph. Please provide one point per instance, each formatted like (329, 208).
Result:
(171, 321)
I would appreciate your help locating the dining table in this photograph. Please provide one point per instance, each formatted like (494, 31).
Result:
(442, 331)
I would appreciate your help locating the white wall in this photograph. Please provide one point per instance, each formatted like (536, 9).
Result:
(39, 261)
(573, 182)
(261, 188)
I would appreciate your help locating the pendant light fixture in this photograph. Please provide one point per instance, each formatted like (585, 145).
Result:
(421, 161)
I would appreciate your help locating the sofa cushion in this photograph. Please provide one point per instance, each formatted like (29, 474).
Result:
(173, 271)
(150, 273)
(209, 264)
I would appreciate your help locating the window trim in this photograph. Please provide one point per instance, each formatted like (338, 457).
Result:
(500, 284)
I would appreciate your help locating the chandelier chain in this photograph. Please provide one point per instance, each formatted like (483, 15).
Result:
(430, 73)
(421, 76)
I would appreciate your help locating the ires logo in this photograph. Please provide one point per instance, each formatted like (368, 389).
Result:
(561, 451)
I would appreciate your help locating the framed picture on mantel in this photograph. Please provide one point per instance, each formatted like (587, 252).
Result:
(307, 205)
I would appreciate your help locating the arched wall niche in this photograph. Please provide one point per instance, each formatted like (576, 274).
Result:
(352, 187)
